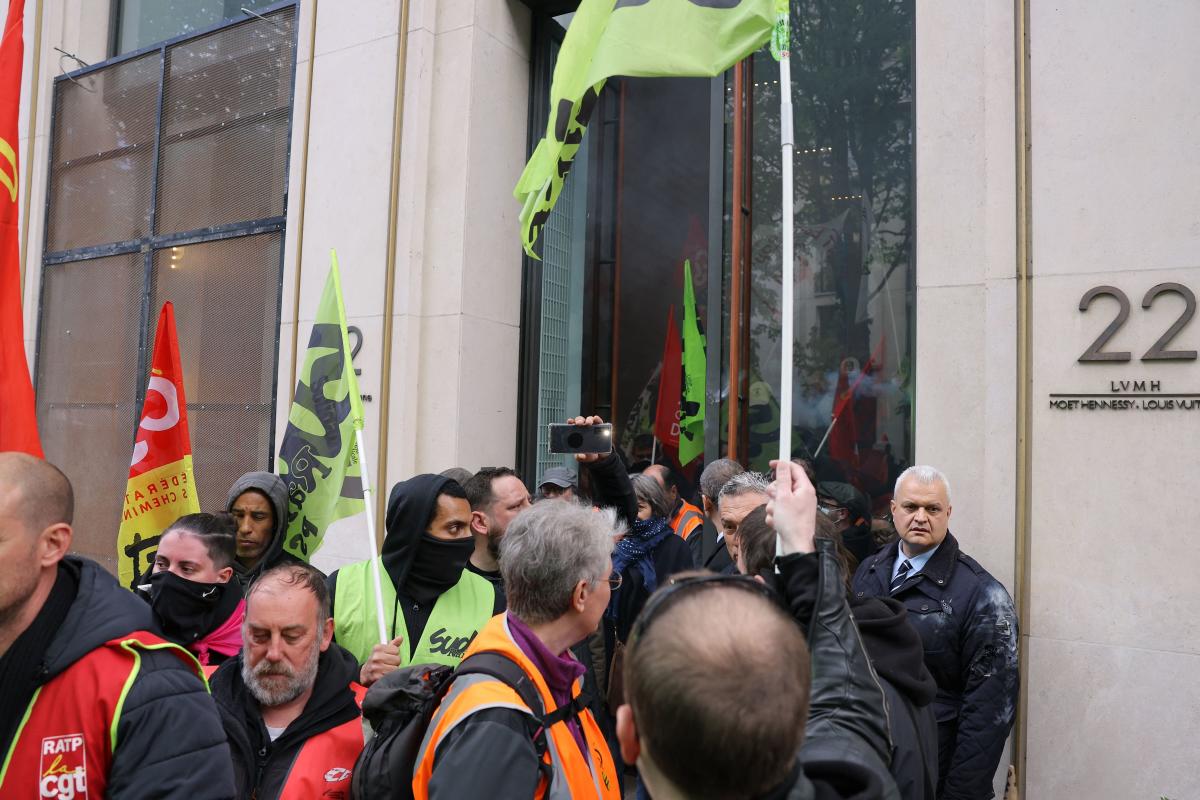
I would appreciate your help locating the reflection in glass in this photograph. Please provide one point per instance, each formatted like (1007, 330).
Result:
(852, 90)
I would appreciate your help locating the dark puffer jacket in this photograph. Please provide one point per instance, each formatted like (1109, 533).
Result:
(262, 767)
(968, 626)
(168, 718)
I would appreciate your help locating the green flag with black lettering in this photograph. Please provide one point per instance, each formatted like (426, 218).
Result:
(639, 38)
(691, 416)
(318, 459)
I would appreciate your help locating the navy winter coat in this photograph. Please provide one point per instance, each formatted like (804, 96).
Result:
(968, 626)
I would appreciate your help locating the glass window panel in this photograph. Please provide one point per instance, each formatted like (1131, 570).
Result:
(102, 156)
(89, 354)
(226, 296)
(226, 121)
(854, 270)
(141, 23)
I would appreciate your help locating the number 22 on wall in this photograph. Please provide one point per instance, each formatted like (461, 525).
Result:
(1158, 351)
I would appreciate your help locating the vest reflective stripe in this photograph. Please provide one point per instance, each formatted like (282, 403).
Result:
(457, 616)
(687, 520)
(575, 776)
(64, 744)
(325, 763)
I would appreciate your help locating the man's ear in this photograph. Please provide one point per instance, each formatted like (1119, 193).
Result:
(710, 508)
(326, 634)
(479, 523)
(627, 735)
(224, 574)
(53, 544)
(760, 579)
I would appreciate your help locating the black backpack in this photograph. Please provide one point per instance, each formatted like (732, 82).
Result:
(401, 705)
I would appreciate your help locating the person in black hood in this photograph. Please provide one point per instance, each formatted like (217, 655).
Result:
(289, 703)
(259, 505)
(432, 607)
(83, 670)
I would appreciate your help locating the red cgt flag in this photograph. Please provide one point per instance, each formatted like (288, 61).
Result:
(18, 415)
(670, 383)
(161, 486)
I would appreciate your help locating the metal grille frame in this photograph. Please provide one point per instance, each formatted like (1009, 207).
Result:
(153, 242)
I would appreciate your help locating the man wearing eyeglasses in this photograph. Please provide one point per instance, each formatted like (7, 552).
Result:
(718, 675)
(967, 623)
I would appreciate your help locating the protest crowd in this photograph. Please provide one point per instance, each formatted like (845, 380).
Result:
(613, 633)
(641, 625)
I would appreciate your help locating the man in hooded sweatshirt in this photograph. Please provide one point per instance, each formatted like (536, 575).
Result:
(258, 503)
(433, 607)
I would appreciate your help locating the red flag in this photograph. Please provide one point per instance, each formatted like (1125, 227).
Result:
(843, 440)
(161, 486)
(18, 414)
(670, 387)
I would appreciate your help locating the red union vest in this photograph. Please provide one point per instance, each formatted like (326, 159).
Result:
(65, 742)
(326, 761)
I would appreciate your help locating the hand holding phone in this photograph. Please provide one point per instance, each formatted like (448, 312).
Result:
(589, 438)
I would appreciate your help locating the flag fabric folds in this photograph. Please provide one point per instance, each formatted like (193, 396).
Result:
(18, 414)
(639, 38)
(691, 417)
(161, 485)
(318, 458)
(670, 387)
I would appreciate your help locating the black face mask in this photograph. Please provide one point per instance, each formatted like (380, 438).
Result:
(436, 566)
(188, 610)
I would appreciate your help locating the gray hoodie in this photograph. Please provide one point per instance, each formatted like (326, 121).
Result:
(273, 487)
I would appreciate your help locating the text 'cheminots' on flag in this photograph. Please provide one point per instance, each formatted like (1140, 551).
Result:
(638, 38)
(318, 459)
(161, 487)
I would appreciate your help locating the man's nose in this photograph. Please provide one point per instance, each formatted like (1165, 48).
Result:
(275, 649)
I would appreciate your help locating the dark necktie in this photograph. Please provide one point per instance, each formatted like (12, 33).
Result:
(901, 575)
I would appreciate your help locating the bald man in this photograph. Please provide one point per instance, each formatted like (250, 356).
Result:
(92, 702)
(753, 695)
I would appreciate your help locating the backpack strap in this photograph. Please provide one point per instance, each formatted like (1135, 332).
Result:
(510, 673)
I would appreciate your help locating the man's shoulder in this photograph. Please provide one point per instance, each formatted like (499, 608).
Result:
(970, 574)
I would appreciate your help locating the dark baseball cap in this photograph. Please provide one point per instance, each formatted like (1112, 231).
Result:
(559, 476)
(846, 496)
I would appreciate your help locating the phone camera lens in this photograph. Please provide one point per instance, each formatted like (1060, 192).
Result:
(575, 439)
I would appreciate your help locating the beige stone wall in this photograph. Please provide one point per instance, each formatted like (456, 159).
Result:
(1112, 636)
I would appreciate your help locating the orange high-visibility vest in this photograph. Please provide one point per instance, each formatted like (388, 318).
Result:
(65, 742)
(574, 775)
(688, 520)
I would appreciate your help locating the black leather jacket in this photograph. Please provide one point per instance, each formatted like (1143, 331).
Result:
(846, 744)
(968, 626)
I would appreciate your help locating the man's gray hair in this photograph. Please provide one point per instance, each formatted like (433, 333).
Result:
(716, 475)
(547, 550)
(744, 483)
(924, 475)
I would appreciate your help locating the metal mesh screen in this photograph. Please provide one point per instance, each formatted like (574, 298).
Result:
(102, 155)
(226, 124)
(226, 313)
(87, 382)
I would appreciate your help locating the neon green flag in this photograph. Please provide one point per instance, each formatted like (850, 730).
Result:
(691, 419)
(640, 38)
(318, 459)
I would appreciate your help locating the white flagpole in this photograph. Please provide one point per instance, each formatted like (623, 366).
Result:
(371, 547)
(786, 136)
(782, 44)
(653, 448)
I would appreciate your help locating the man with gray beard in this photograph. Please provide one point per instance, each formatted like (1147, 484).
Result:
(290, 703)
